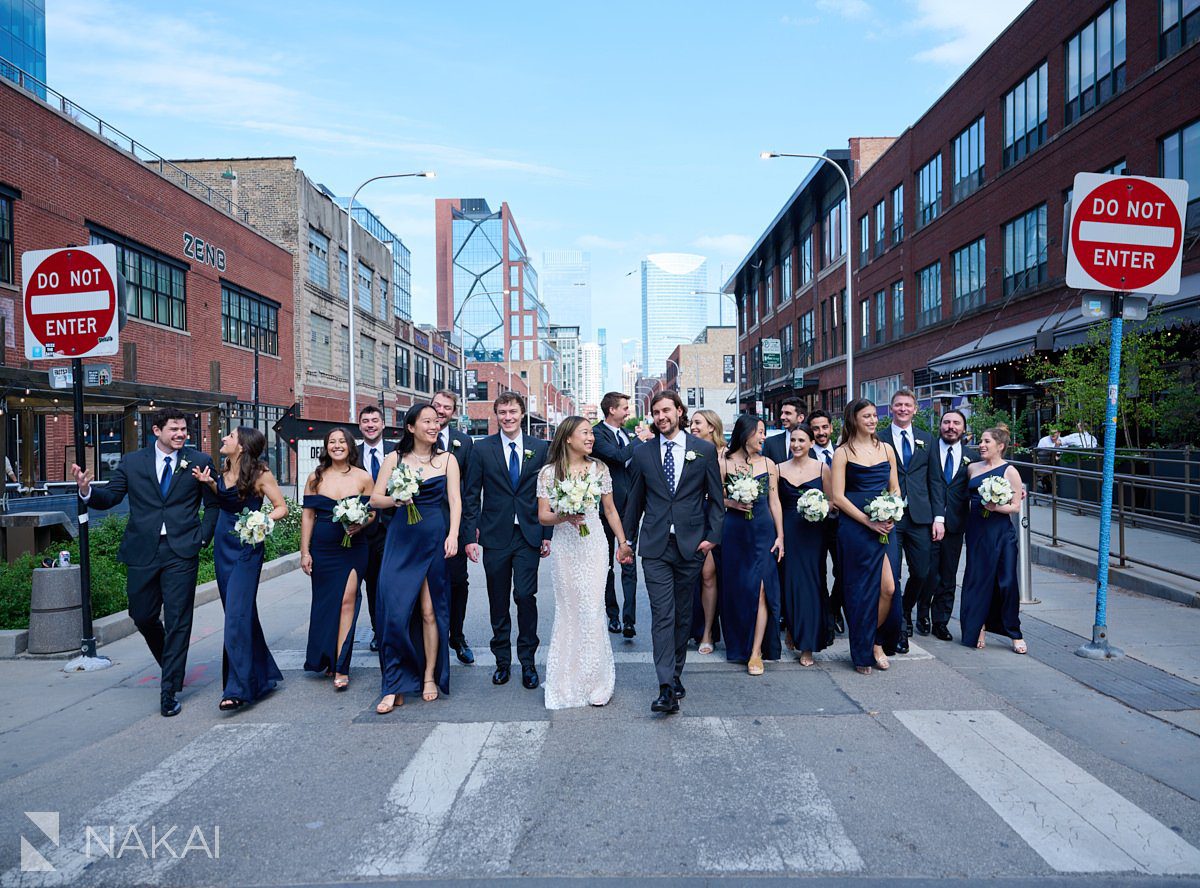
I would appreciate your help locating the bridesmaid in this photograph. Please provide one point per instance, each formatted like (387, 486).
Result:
(248, 670)
(803, 601)
(990, 599)
(706, 626)
(335, 569)
(862, 467)
(749, 572)
(412, 611)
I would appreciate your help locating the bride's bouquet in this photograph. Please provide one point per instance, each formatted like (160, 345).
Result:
(886, 507)
(347, 511)
(742, 487)
(813, 505)
(254, 527)
(403, 485)
(995, 491)
(574, 495)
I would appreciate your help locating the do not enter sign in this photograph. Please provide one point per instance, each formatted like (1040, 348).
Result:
(1126, 233)
(70, 301)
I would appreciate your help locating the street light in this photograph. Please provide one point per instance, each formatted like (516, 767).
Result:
(352, 274)
(678, 372)
(848, 314)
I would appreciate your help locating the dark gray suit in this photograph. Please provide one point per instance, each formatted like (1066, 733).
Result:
(778, 447)
(948, 550)
(460, 447)
(161, 567)
(614, 453)
(924, 501)
(376, 532)
(670, 561)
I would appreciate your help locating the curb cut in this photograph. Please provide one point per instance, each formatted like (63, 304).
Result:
(1124, 578)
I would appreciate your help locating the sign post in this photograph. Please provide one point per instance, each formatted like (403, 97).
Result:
(70, 311)
(1126, 236)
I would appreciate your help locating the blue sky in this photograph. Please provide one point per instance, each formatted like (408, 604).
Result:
(621, 128)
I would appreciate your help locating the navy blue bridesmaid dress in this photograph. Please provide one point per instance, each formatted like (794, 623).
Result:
(248, 670)
(862, 557)
(990, 597)
(413, 554)
(746, 565)
(804, 611)
(331, 566)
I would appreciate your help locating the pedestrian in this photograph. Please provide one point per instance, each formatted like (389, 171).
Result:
(1081, 437)
(778, 445)
(803, 603)
(458, 443)
(371, 454)
(953, 458)
(822, 448)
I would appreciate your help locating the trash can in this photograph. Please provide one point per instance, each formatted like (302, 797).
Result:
(55, 610)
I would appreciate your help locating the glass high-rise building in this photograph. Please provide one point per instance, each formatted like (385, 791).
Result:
(566, 280)
(591, 384)
(23, 37)
(565, 342)
(673, 312)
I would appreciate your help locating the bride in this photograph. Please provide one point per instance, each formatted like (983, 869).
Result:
(579, 667)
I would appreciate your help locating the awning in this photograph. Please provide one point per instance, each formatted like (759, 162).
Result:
(1058, 331)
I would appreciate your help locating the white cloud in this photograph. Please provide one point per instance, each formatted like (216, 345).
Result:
(964, 29)
(724, 244)
(596, 242)
(850, 9)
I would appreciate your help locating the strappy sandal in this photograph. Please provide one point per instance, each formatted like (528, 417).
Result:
(384, 708)
(706, 647)
(229, 704)
(982, 643)
(863, 670)
(881, 661)
(341, 682)
(425, 694)
(1019, 646)
(806, 659)
(754, 666)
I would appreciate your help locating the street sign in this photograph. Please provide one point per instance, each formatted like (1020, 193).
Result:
(70, 301)
(798, 378)
(93, 375)
(1126, 234)
(772, 355)
(727, 368)
(1097, 308)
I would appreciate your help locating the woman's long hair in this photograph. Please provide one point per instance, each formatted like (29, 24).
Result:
(560, 455)
(325, 461)
(407, 439)
(1000, 434)
(746, 425)
(850, 427)
(718, 428)
(250, 465)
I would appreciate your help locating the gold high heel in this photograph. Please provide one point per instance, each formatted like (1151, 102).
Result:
(755, 666)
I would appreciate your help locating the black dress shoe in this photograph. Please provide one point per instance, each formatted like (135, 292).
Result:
(614, 626)
(501, 675)
(678, 689)
(665, 702)
(168, 705)
(941, 632)
(923, 625)
(464, 653)
(902, 645)
(629, 631)
(529, 677)
(374, 642)
(908, 627)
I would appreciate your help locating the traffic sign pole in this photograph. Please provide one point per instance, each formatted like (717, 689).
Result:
(87, 646)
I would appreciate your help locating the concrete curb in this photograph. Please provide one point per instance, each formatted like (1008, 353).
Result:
(1125, 578)
(14, 642)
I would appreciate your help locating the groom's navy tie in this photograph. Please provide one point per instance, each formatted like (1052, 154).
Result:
(374, 464)
(949, 464)
(669, 466)
(514, 465)
(906, 453)
(164, 483)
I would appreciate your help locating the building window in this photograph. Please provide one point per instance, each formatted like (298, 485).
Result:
(929, 294)
(345, 350)
(837, 324)
(421, 374)
(365, 279)
(366, 361)
(384, 365)
(825, 350)
(880, 213)
(343, 274)
(770, 306)
(786, 284)
(864, 240)
(6, 239)
(439, 377)
(897, 309)
(806, 339)
(403, 367)
(1025, 251)
(1096, 62)
(249, 320)
(1025, 116)
(742, 303)
(155, 289)
(929, 191)
(384, 305)
(970, 276)
(880, 391)
(864, 317)
(834, 234)
(318, 258)
(968, 160)
(787, 347)
(1179, 158)
(1179, 26)
(320, 342)
(1116, 169)
(898, 213)
(880, 317)
(806, 259)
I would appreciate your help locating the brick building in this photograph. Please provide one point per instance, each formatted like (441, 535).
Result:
(702, 372)
(545, 404)
(956, 240)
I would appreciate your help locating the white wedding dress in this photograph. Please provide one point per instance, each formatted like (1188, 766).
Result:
(579, 666)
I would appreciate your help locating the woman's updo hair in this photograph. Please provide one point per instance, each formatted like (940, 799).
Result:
(999, 434)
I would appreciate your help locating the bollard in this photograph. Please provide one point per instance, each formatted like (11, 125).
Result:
(1024, 554)
(54, 610)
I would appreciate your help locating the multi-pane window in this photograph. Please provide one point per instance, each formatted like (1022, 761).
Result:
(344, 348)
(806, 340)
(837, 325)
(343, 273)
(787, 286)
(880, 215)
(770, 293)
(318, 258)
(787, 346)
(968, 160)
(929, 191)
(366, 360)
(320, 341)
(898, 213)
(743, 302)
(864, 316)
(421, 373)
(864, 240)
(1116, 169)
(439, 377)
(1025, 116)
(929, 295)
(249, 320)
(970, 276)
(155, 289)
(365, 279)
(806, 259)
(403, 367)
(825, 350)
(1179, 25)
(897, 309)
(6, 239)
(834, 234)
(1096, 62)
(880, 317)
(1025, 251)
(1179, 158)
(384, 304)
(385, 364)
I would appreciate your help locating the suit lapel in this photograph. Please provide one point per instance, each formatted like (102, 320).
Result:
(660, 473)
(151, 469)
(681, 462)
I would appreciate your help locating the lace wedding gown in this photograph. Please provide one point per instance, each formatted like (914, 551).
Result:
(579, 666)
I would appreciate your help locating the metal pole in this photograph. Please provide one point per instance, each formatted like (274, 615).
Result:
(1024, 553)
(350, 301)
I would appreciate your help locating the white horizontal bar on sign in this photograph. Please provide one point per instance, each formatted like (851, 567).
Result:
(1133, 235)
(69, 303)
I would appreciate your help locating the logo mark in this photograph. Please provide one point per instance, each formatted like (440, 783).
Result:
(32, 860)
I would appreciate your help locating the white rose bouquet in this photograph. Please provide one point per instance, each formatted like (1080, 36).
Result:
(403, 485)
(347, 511)
(813, 505)
(253, 528)
(742, 487)
(995, 491)
(886, 507)
(574, 495)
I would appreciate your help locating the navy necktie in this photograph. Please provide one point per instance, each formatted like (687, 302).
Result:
(949, 464)
(514, 465)
(829, 459)
(669, 466)
(906, 448)
(164, 483)
(374, 464)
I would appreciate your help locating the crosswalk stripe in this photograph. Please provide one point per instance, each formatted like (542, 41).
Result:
(1072, 820)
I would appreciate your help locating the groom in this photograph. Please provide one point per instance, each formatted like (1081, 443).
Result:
(676, 485)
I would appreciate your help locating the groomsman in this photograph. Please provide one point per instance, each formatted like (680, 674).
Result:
(925, 499)
(822, 431)
(162, 541)
(445, 404)
(953, 457)
(779, 447)
(370, 456)
(500, 511)
(615, 448)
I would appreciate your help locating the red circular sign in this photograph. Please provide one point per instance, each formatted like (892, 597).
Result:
(70, 303)
(1126, 233)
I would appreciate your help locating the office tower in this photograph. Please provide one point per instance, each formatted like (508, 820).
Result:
(565, 342)
(23, 39)
(591, 383)
(602, 341)
(566, 288)
(672, 310)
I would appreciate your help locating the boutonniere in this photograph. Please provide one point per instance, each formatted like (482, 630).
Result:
(966, 460)
(455, 444)
(920, 443)
(184, 465)
(690, 455)
(529, 454)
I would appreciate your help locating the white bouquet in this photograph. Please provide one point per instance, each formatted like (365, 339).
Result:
(995, 491)
(742, 487)
(403, 485)
(347, 511)
(254, 527)
(886, 507)
(813, 505)
(574, 495)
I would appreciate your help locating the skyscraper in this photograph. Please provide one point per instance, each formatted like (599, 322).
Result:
(566, 280)
(565, 342)
(672, 311)
(23, 38)
(591, 383)
(602, 341)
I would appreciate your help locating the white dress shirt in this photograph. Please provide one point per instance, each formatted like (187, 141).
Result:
(956, 453)
(444, 439)
(679, 454)
(368, 449)
(505, 441)
(621, 436)
(821, 452)
(899, 444)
